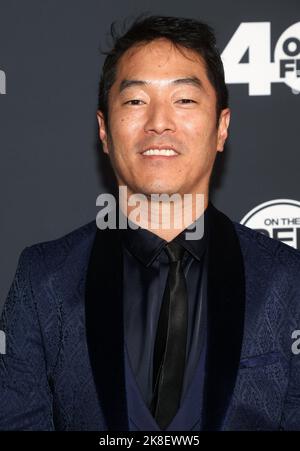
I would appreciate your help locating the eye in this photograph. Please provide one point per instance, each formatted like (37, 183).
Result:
(184, 101)
(133, 102)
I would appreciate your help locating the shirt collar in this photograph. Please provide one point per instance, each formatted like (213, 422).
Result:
(146, 245)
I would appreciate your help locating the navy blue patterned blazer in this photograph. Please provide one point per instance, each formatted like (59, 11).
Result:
(64, 363)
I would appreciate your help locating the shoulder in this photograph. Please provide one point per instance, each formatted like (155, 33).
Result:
(72, 247)
(255, 244)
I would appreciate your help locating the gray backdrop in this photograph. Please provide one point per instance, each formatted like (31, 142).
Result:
(51, 166)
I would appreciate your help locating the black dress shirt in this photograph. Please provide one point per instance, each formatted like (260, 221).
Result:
(146, 268)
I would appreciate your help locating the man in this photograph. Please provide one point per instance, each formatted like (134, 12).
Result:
(148, 327)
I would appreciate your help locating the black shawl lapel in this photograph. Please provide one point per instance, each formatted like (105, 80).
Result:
(104, 326)
(225, 318)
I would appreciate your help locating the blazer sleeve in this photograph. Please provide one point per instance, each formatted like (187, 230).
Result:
(291, 416)
(25, 395)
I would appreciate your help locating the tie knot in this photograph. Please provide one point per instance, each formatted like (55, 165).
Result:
(174, 251)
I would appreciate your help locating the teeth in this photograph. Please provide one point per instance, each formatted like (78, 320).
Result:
(165, 152)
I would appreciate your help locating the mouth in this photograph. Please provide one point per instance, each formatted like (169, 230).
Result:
(166, 152)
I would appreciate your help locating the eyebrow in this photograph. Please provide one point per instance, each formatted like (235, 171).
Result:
(194, 81)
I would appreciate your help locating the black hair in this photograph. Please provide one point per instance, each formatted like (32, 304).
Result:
(182, 32)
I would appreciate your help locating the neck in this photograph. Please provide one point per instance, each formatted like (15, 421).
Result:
(164, 216)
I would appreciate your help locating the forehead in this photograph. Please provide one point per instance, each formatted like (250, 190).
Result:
(160, 58)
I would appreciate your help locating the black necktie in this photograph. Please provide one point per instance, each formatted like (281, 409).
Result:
(170, 344)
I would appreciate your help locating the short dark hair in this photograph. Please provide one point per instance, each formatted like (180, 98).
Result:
(182, 32)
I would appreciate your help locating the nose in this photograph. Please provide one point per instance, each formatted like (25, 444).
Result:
(160, 118)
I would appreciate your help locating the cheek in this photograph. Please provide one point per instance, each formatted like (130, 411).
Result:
(202, 127)
(201, 140)
(195, 132)
(125, 127)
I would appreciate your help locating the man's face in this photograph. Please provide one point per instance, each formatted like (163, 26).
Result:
(162, 100)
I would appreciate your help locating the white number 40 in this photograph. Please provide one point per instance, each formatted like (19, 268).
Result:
(252, 40)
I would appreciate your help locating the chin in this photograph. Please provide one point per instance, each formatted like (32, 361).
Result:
(158, 189)
(159, 186)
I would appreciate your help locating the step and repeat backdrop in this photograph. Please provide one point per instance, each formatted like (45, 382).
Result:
(52, 166)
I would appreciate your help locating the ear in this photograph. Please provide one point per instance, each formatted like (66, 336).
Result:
(224, 120)
(102, 131)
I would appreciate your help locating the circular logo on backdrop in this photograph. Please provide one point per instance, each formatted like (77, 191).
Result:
(278, 219)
